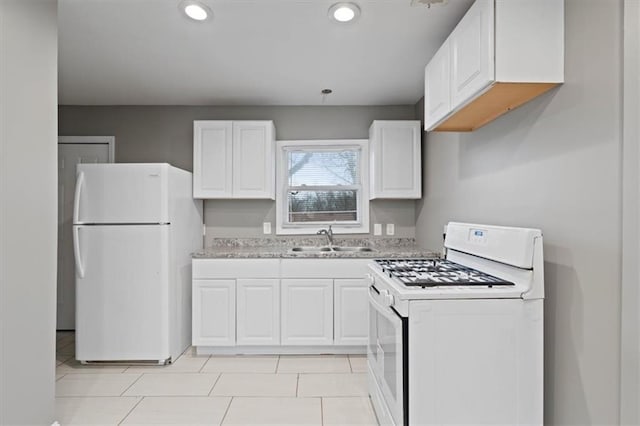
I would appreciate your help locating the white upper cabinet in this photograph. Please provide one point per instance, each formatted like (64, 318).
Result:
(395, 159)
(233, 159)
(471, 52)
(502, 54)
(212, 156)
(254, 159)
(437, 76)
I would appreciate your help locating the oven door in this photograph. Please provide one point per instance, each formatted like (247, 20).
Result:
(386, 354)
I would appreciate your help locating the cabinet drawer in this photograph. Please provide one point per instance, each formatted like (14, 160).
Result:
(236, 268)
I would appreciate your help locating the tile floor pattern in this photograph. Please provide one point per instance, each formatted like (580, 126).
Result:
(213, 390)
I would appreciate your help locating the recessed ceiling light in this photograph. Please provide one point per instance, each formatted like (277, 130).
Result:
(344, 12)
(196, 10)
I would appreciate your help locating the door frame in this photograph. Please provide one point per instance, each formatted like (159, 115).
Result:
(630, 161)
(109, 140)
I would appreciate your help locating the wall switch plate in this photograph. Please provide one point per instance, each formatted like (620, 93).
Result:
(391, 229)
(377, 229)
(266, 228)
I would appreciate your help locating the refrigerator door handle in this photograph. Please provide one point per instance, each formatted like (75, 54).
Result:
(76, 198)
(76, 252)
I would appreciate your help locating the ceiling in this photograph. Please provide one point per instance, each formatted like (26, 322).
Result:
(254, 52)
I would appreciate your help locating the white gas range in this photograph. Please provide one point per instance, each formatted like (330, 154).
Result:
(460, 340)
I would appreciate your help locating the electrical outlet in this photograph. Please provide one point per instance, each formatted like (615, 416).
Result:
(266, 228)
(391, 229)
(377, 229)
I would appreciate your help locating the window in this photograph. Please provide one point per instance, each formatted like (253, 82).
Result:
(322, 183)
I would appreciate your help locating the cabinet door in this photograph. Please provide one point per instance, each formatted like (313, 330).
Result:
(351, 304)
(214, 313)
(258, 316)
(472, 53)
(437, 87)
(253, 159)
(212, 157)
(396, 159)
(307, 311)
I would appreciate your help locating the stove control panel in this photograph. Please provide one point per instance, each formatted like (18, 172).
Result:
(478, 236)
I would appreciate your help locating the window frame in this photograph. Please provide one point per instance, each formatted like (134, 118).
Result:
(283, 227)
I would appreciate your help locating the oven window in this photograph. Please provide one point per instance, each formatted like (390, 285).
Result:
(388, 339)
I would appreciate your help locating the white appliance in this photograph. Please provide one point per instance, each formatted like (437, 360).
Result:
(459, 341)
(134, 229)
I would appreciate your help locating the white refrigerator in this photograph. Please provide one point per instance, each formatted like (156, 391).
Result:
(134, 229)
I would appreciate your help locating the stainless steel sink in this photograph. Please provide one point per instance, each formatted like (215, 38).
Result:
(312, 249)
(360, 249)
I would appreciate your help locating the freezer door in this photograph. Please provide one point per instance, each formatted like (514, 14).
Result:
(122, 292)
(121, 193)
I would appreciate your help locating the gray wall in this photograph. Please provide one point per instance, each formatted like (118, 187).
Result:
(165, 134)
(28, 210)
(554, 164)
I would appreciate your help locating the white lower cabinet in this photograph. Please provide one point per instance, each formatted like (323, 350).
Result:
(280, 305)
(351, 325)
(258, 313)
(307, 311)
(214, 313)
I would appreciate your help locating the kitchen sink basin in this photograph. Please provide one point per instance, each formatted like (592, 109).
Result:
(311, 249)
(360, 249)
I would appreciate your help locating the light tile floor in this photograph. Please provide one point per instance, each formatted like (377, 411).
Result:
(213, 390)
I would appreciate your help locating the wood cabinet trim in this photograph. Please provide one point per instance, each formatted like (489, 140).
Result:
(499, 99)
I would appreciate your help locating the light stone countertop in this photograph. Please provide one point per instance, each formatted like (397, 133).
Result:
(269, 248)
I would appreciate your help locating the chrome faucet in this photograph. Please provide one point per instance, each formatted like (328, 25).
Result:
(328, 233)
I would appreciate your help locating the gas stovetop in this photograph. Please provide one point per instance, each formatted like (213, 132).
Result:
(437, 273)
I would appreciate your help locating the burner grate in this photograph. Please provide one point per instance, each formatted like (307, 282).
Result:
(437, 273)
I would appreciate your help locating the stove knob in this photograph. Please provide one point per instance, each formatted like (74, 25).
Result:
(371, 279)
(387, 297)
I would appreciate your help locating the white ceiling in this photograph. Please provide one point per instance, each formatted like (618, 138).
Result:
(254, 52)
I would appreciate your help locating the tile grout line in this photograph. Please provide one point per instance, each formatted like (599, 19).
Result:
(214, 384)
(350, 365)
(204, 364)
(226, 411)
(278, 363)
(297, 384)
(66, 345)
(68, 357)
(129, 387)
(130, 411)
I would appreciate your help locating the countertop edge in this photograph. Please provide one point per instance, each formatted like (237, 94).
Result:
(286, 254)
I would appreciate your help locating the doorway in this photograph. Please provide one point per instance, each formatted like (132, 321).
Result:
(73, 150)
